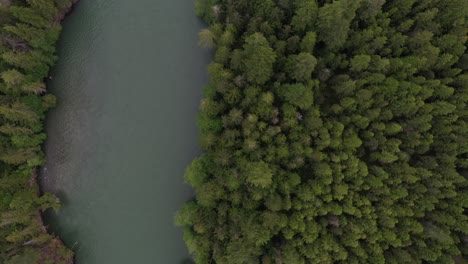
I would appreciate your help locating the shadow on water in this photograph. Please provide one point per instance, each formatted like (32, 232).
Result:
(50, 216)
(187, 261)
(62, 196)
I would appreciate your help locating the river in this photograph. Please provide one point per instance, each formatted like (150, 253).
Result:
(128, 83)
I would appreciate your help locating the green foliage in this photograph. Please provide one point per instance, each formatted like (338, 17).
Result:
(29, 30)
(29, 255)
(206, 9)
(297, 94)
(195, 173)
(257, 173)
(308, 42)
(258, 59)
(301, 66)
(334, 132)
(305, 15)
(360, 63)
(206, 38)
(334, 20)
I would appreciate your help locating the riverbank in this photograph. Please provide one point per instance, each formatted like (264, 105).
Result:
(27, 52)
(66, 11)
(56, 247)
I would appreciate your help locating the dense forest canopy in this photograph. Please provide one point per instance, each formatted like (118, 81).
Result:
(28, 33)
(335, 131)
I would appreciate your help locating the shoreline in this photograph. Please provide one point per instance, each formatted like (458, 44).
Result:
(56, 242)
(64, 13)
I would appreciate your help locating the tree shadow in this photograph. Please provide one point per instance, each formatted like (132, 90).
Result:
(187, 261)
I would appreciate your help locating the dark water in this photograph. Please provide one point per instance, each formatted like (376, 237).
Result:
(128, 83)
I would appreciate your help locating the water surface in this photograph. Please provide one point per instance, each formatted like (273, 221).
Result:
(128, 83)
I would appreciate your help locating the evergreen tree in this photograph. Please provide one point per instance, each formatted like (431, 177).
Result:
(334, 132)
(28, 32)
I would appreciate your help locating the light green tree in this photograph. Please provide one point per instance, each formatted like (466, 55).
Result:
(258, 59)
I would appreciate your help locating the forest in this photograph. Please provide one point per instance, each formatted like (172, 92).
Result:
(334, 131)
(28, 33)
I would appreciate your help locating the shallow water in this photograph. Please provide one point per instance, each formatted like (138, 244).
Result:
(128, 83)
